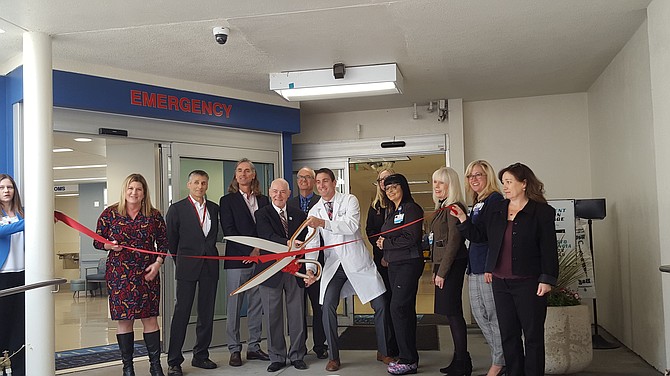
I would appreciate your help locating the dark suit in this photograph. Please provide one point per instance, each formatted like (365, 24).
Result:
(237, 220)
(186, 238)
(269, 226)
(313, 290)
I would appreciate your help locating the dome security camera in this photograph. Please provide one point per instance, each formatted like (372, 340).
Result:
(221, 34)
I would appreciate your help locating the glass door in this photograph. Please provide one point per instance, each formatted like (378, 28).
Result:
(177, 161)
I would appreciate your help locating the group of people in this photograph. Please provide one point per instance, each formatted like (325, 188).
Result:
(511, 265)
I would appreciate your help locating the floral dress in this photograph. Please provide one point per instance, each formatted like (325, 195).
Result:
(130, 295)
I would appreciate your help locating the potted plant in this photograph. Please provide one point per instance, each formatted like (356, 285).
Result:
(567, 328)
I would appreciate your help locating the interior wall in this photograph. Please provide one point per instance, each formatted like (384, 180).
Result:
(66, 240)
(623, 161)
(547, 133)
(658, 14)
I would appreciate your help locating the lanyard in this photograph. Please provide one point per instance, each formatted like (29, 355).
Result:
(204, 214)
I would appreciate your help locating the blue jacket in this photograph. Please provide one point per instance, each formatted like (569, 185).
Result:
(6, 232)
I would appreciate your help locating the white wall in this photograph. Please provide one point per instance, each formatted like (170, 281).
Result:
(66, 240)
(623, 162)
(547, 133)
(658, 14)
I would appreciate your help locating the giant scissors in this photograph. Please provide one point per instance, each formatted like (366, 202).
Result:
(280, 264)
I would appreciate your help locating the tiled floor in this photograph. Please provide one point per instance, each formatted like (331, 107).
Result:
(83, 322)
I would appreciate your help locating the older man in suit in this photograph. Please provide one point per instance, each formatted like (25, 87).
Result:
(237, 218)
(277, 222)
(304, 201)
(348, 268)
(192, 228)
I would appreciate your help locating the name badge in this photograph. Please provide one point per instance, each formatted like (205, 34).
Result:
(398, 218)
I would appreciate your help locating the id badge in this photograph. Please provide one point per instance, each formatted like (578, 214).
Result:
(430, 238)
(398, 218)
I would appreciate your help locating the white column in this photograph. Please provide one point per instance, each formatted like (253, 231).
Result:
(38, 201)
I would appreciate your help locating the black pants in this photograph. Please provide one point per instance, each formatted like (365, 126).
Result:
(521, 311)
(404, 279)
(317, 317)
(13, 321)
(391, 343)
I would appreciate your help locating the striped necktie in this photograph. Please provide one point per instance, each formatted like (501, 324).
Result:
(329, 209)
(284, 222)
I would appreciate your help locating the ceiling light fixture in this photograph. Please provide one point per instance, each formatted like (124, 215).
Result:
(80, 166)
(358, 81)
(2, 31)
(62, 150)
(78, 179)
(83, 139)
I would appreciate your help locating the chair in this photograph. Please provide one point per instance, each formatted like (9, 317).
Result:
(96, 280)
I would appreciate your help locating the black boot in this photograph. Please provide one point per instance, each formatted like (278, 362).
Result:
(127, 346)
(450, 366)
(461, 367)
(153, 342)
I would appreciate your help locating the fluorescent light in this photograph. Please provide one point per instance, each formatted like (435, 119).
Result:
(83, 139)
(321, 84)
(68, 195)
(62, 150)
(417, 182)
(79, 167)
(2, 31)
(78, 179)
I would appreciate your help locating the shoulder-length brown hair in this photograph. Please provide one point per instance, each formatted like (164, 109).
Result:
(491, 182)
(146, 207)
(234, 186)
(16, 200)
(523, 173)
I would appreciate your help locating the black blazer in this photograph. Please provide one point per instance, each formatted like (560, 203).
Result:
(534, 247)
(268, 226)
(295, 201)
(185, 237)
(405, 243)
(236, 220)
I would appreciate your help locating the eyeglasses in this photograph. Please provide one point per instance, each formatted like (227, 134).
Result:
(391, 187)
(476, 175)
(305, 177)
(381, 180)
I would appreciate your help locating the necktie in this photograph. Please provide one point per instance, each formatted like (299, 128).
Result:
(329, 208)
(284, 222)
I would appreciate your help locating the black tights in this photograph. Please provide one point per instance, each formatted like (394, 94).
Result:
(459, 334)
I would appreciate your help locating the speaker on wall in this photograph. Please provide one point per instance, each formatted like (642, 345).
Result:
(592, 208)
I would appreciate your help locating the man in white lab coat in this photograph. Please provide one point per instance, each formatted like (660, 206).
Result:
(348, 269)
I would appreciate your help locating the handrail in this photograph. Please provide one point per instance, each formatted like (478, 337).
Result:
(19, 289)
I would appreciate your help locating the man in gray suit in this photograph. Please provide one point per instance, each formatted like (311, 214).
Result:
(277, 222)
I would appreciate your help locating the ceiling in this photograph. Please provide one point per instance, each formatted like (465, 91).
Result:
(470, 49)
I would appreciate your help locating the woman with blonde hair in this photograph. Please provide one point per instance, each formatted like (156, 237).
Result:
(132, 277)
(482, 189)
(450, 258)
(375, 221)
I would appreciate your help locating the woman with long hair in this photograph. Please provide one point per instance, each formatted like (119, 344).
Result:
(12, 274)
(375, 221)
(133, 277)
(450, 259)
(522, 264)
(482, 188)
(403, 253)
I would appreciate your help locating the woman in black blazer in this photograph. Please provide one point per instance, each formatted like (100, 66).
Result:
(522, 264)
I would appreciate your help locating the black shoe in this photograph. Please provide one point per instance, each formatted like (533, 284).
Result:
(203, 363)
(257, 355)
(276, 366)
(175, 371)
(503, 371)
(235, 359)
(299, 364)
(461, 367)
(321, 353)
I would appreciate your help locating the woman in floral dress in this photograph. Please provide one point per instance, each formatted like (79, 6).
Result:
(132, 277)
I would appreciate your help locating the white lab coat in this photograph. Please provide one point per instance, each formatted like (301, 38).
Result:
(364, 280)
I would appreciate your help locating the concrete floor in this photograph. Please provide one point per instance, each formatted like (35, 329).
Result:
(619, 361)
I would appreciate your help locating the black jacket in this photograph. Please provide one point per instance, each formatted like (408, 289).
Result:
(405, 243)
(237, 220)
(534, 247)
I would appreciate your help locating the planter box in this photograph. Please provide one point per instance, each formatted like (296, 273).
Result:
(567, 339)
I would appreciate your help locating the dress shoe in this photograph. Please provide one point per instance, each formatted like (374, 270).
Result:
(203, 363)
(175, 371)
(333, 365)
(235, 359)
(276, 366)
(299, 364)
(257, 355)
(321, 353)
(385, 359)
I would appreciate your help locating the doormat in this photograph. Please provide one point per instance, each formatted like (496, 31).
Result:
(364, 338)
(94, 355)
(421, 319)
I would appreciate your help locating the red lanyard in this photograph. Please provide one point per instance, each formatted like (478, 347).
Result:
(204, 214)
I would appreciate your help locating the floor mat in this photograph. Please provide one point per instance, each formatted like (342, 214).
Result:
(94, 355)
(364, 338)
